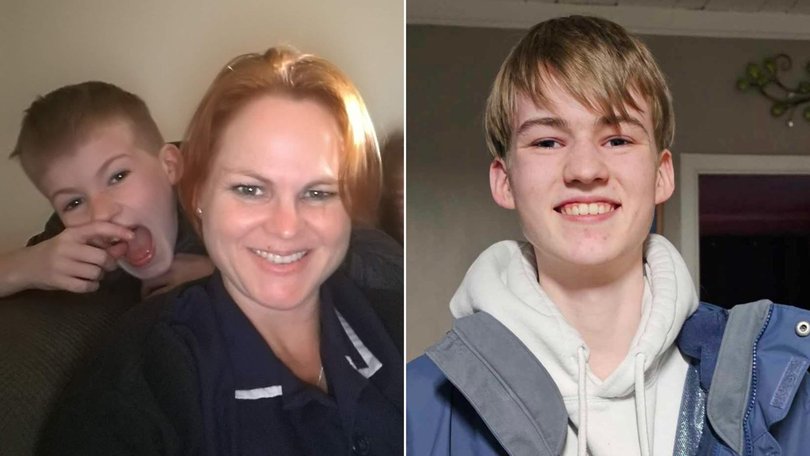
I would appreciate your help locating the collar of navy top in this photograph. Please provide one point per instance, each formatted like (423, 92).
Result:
(259, 374)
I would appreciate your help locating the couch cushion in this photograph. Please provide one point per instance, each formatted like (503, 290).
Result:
(45, 336)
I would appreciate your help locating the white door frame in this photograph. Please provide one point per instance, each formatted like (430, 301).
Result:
(693, 165)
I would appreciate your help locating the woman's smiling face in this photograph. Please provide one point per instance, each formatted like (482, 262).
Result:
(272, 218)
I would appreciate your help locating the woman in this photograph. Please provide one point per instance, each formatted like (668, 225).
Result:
(276, 353)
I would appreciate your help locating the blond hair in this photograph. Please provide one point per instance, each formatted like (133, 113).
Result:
(286, 72)
(594, 60)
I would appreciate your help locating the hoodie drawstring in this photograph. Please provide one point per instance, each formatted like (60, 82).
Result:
(582, 432)
(641, 406)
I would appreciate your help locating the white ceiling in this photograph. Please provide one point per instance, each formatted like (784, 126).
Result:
(740, 6)
(778, 19)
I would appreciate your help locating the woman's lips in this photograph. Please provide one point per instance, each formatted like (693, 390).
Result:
(281, 262)
(280, 258)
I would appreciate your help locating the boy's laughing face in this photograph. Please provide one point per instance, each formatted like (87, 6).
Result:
(109, 177)
(584, 187)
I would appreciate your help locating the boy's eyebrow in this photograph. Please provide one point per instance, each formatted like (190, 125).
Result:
(615, 121)
(101, 171)
(103, 168)
(553, 122)
(68, 190)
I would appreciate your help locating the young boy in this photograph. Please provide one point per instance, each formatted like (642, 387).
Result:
(95, 152)
(566, 344)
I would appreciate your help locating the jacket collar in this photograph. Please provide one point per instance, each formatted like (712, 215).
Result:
(725, 342)
(484, 360)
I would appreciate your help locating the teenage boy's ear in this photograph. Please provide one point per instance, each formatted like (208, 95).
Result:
(665, 177)
(500, 185)
(172, 162)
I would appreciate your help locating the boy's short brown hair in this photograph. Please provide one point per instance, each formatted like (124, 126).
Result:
(595, 60)
(59, 121)
(285, 72)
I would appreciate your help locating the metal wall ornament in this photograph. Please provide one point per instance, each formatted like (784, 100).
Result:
(765, 79)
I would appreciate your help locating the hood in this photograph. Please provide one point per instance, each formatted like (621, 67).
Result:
(503, 283)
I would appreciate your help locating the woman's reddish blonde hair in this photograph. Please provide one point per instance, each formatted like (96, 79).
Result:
(285, 72)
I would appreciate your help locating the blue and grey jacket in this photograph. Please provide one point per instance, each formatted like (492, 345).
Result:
(481, 392)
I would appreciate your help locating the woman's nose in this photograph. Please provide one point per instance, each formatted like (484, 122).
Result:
(284, 219)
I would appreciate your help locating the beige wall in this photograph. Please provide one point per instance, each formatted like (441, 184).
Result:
(168, 52)
(451, 216)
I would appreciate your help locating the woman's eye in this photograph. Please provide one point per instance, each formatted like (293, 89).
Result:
(119, 176)
(248, 190)
(319, 195)
(616, 142)
(72, 204)
(547, 144)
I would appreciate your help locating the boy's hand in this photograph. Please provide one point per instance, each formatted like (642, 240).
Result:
(185, 268)
(74, 260)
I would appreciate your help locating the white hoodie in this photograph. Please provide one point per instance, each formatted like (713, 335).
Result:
(621, 414)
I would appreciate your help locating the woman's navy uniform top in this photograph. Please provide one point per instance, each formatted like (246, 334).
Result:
(189, 374)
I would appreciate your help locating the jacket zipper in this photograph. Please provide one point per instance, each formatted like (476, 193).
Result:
(749, 445)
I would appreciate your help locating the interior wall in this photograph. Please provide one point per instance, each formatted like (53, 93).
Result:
(168, 53)
(451, 215)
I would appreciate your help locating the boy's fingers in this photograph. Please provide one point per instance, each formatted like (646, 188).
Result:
(80, 286)
(101, 234)
(110, 264)
(117, 250)
(93, 256)
(89, 272)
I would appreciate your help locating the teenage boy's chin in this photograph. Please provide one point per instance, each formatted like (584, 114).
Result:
(591, 254)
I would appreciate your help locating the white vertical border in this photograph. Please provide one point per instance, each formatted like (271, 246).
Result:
(693, 165)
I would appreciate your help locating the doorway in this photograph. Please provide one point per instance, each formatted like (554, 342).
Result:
(746, 227)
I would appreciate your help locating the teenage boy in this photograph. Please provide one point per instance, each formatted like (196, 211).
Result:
(95, 152)
(566, 344)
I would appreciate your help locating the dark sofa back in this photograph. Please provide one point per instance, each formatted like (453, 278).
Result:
(45, 336)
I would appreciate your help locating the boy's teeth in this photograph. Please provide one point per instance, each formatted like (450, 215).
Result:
(587, 208)
(280, 259)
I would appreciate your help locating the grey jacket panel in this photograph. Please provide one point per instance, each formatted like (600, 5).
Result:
(731, 386)
(505, 383)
